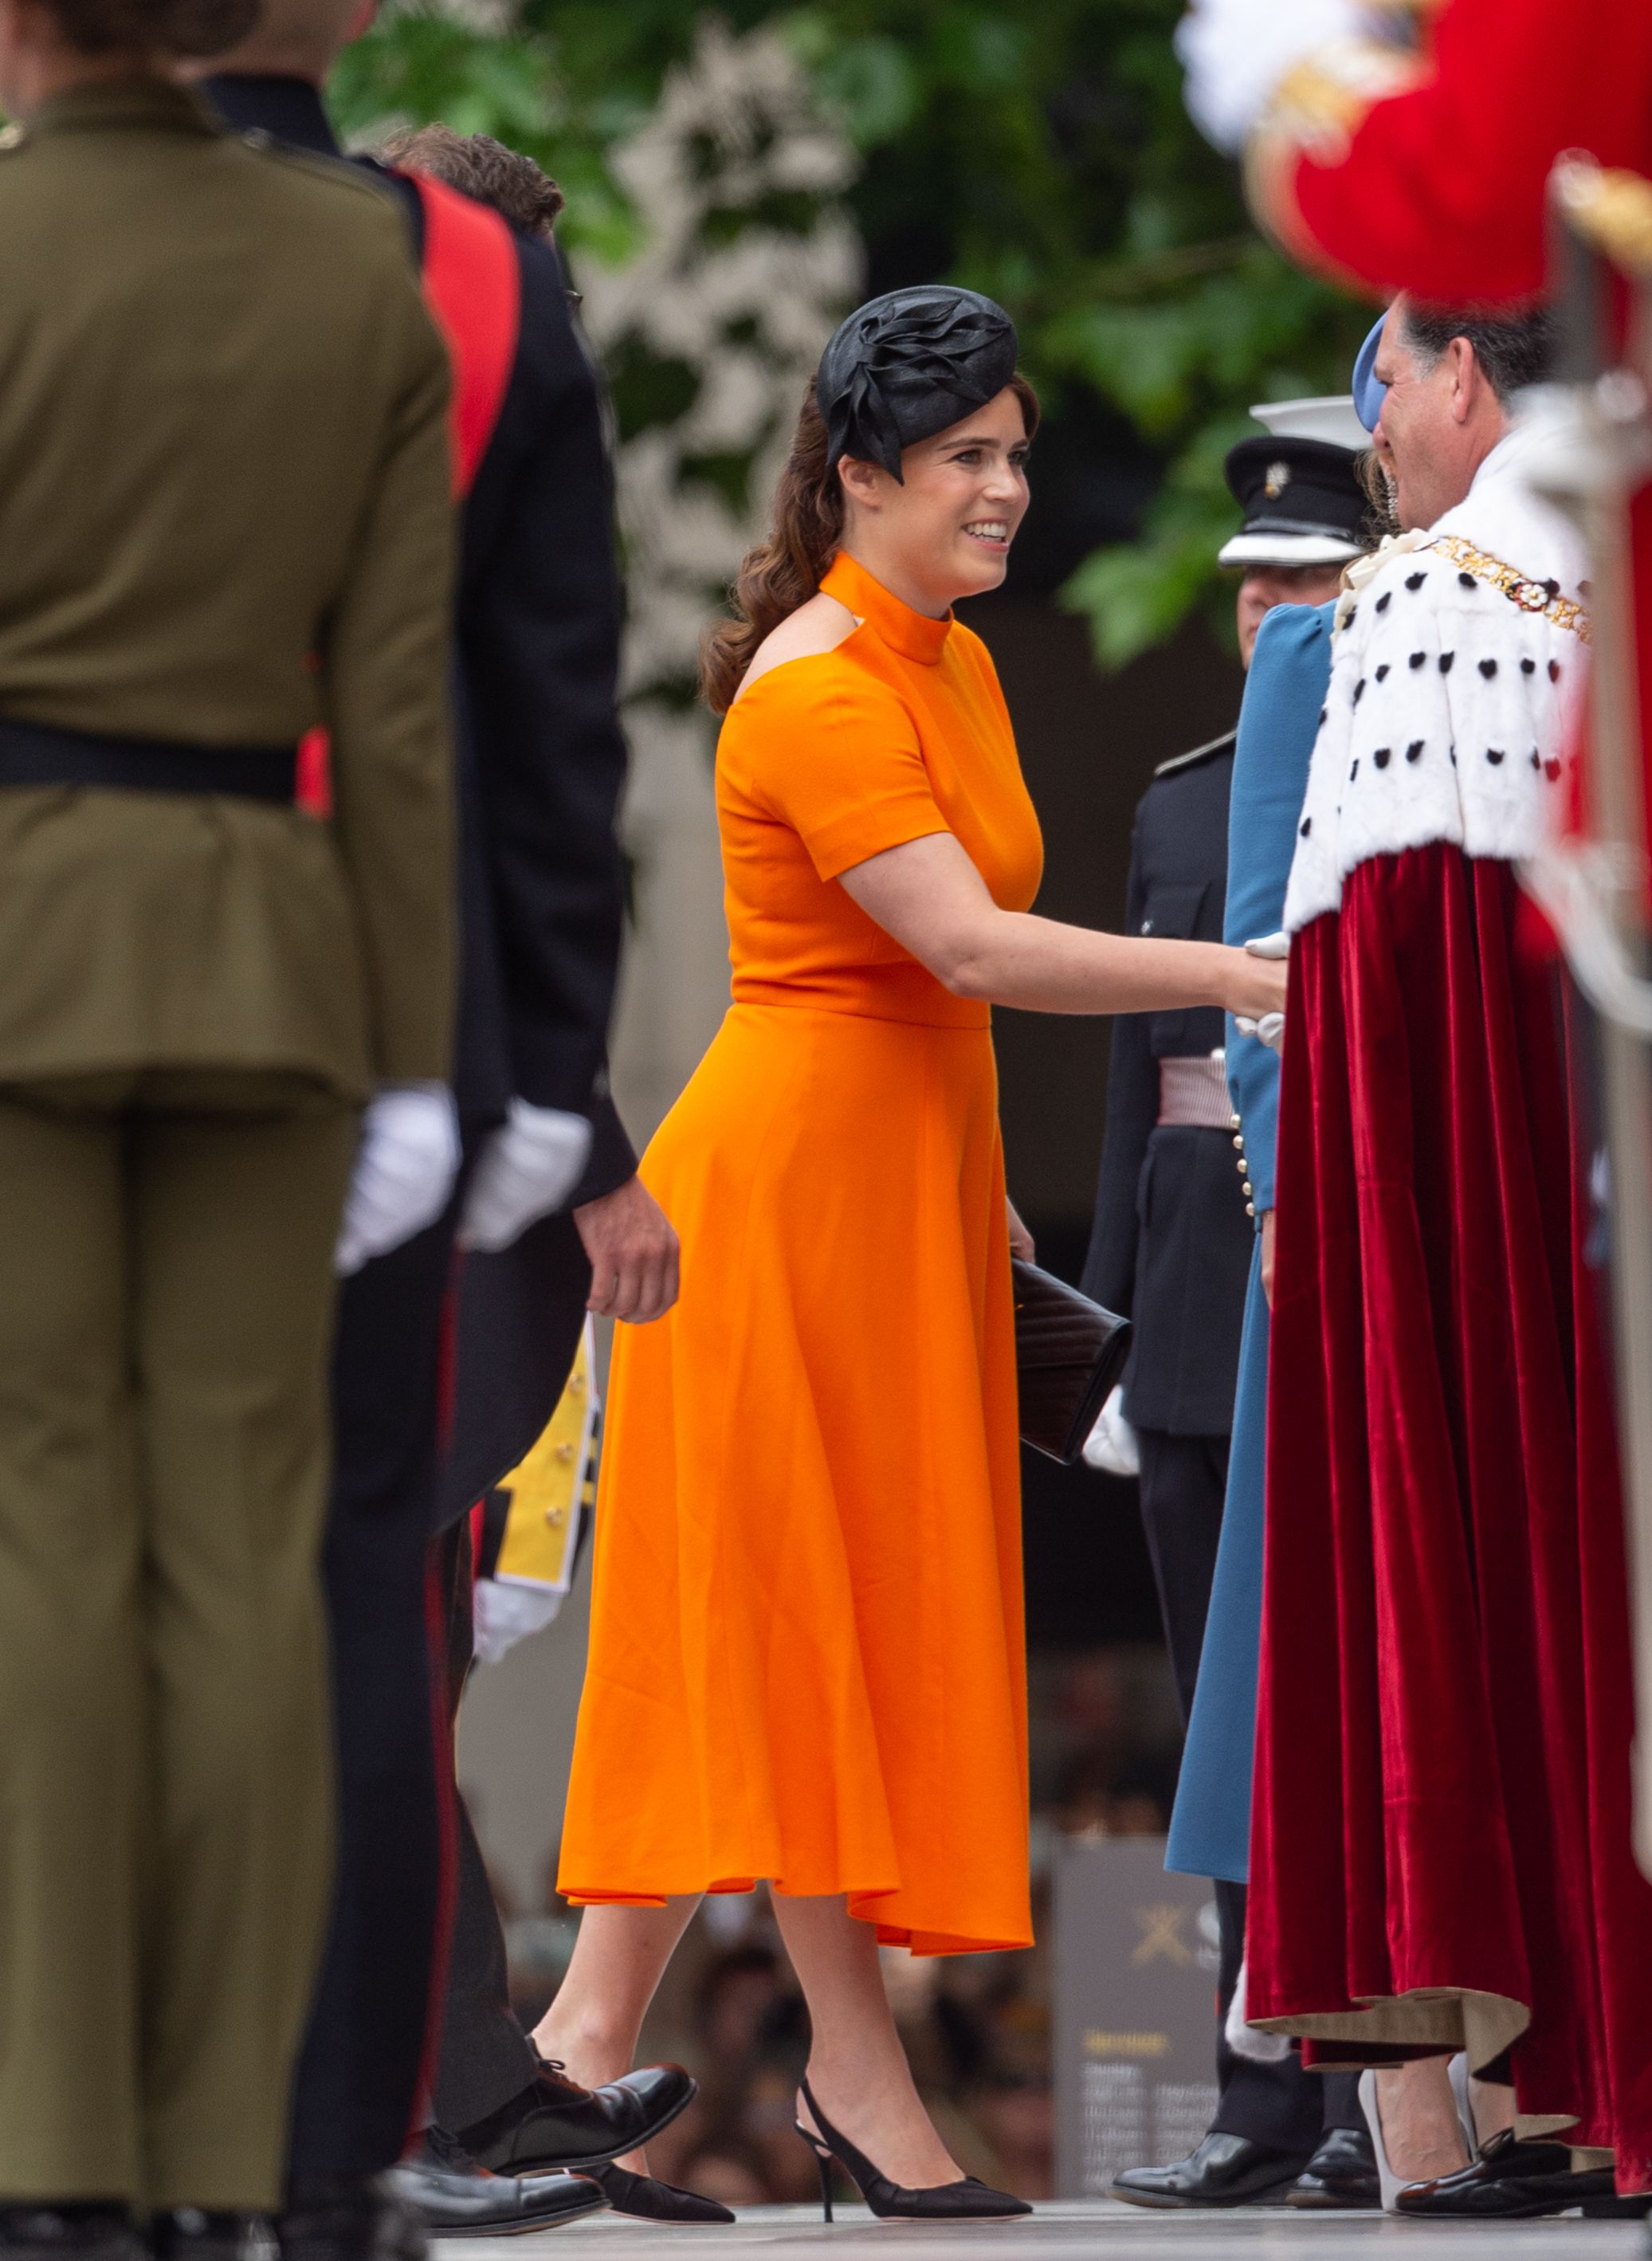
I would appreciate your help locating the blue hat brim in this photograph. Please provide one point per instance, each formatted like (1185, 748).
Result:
(1369, 395)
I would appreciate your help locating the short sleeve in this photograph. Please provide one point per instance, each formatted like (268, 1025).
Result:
(839, 762)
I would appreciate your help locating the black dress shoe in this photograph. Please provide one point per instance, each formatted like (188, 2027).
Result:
(343, 2218)
(458, 2199)
(74, 2231)
(1510, 2181)
(556, 2123)
(651, 2200)
(1342, 2172)
(190, 2233)
(1224, 2170)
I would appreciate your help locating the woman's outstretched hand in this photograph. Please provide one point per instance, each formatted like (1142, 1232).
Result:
(933, 900)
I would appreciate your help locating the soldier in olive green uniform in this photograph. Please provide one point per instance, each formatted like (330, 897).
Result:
(224, 517)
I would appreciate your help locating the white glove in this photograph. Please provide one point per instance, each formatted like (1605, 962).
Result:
(403, 1173)
(528, 1168)
(1112, 1444)
(1270, 1030)
(1235, 51)
(1247, 2041)
(503, 1615)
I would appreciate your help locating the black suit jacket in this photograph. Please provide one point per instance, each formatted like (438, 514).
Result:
(541, 757)
(1171, 1244)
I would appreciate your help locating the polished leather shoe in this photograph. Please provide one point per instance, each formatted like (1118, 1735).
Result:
(343, 2218)
(1510, 2181)
(556, 2123)
(70, 2232)
(1342, 2172)
(1224, 2170)
(458, 2199)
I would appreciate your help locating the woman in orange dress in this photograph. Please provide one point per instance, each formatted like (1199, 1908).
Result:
(805, 1657)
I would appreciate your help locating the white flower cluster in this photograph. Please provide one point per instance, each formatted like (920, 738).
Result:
(725, 289)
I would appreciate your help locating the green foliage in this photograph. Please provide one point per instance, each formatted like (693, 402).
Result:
(1036, 150)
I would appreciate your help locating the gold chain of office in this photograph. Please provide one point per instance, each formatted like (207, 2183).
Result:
(1539, 597)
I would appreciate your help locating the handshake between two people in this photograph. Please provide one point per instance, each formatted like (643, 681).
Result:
(1268, 1027)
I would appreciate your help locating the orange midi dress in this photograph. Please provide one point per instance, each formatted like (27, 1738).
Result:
(807, 1658)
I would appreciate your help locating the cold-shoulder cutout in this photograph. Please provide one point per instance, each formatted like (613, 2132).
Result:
(817, 626)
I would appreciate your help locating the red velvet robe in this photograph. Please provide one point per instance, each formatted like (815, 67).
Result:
(1443, 1784)
(1442, 1778)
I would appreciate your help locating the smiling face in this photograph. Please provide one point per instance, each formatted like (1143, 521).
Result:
(1440, 420)
(944, 530)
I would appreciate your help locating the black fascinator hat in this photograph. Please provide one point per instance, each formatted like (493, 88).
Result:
(905, 366)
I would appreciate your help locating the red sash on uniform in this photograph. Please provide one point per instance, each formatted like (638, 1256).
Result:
(473, 290)
(473, 287)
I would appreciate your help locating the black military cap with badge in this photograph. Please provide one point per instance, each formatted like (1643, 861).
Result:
(1298, 486)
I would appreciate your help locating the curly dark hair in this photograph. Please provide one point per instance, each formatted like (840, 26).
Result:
(179, 28)
(483, 168)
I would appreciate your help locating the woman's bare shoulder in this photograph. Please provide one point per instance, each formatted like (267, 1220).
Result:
(817, 627)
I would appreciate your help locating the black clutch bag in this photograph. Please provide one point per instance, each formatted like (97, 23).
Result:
(1069, 1355)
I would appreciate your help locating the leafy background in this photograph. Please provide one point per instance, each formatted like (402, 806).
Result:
(1037, 151)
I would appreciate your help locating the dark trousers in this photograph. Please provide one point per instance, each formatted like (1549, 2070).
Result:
(1281, 2104)
(485, 2058)
(359, 2075)
(1183, 1486)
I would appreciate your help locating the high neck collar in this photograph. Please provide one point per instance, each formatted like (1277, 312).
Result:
(290, 109)
(140, 100)
(914, 636)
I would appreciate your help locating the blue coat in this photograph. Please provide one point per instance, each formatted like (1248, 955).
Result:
(1291, 670)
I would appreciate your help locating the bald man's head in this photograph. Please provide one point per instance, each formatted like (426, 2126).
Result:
(299, 39)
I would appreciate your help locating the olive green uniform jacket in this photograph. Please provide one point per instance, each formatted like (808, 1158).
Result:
(225, 517)
(258, 542)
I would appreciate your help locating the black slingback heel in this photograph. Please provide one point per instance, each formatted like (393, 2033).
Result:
(647, 2198)
(965, 2199)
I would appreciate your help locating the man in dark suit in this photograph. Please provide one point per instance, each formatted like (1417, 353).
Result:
(1172, 1240)
(541, 761)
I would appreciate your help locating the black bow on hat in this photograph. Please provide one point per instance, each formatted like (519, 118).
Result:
(905, 366)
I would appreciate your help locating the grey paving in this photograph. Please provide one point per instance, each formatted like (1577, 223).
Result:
(1065, 2231)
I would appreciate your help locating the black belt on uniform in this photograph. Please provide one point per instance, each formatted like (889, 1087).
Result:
(34, 753)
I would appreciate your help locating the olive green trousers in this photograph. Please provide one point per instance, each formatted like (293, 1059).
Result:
(166, 1312)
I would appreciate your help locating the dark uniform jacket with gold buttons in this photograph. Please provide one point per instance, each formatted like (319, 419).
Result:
(1171, 1243)
(225, 516)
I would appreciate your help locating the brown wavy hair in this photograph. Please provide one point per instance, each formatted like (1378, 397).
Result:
(788, 565)
(177, 28)
(482, 168)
